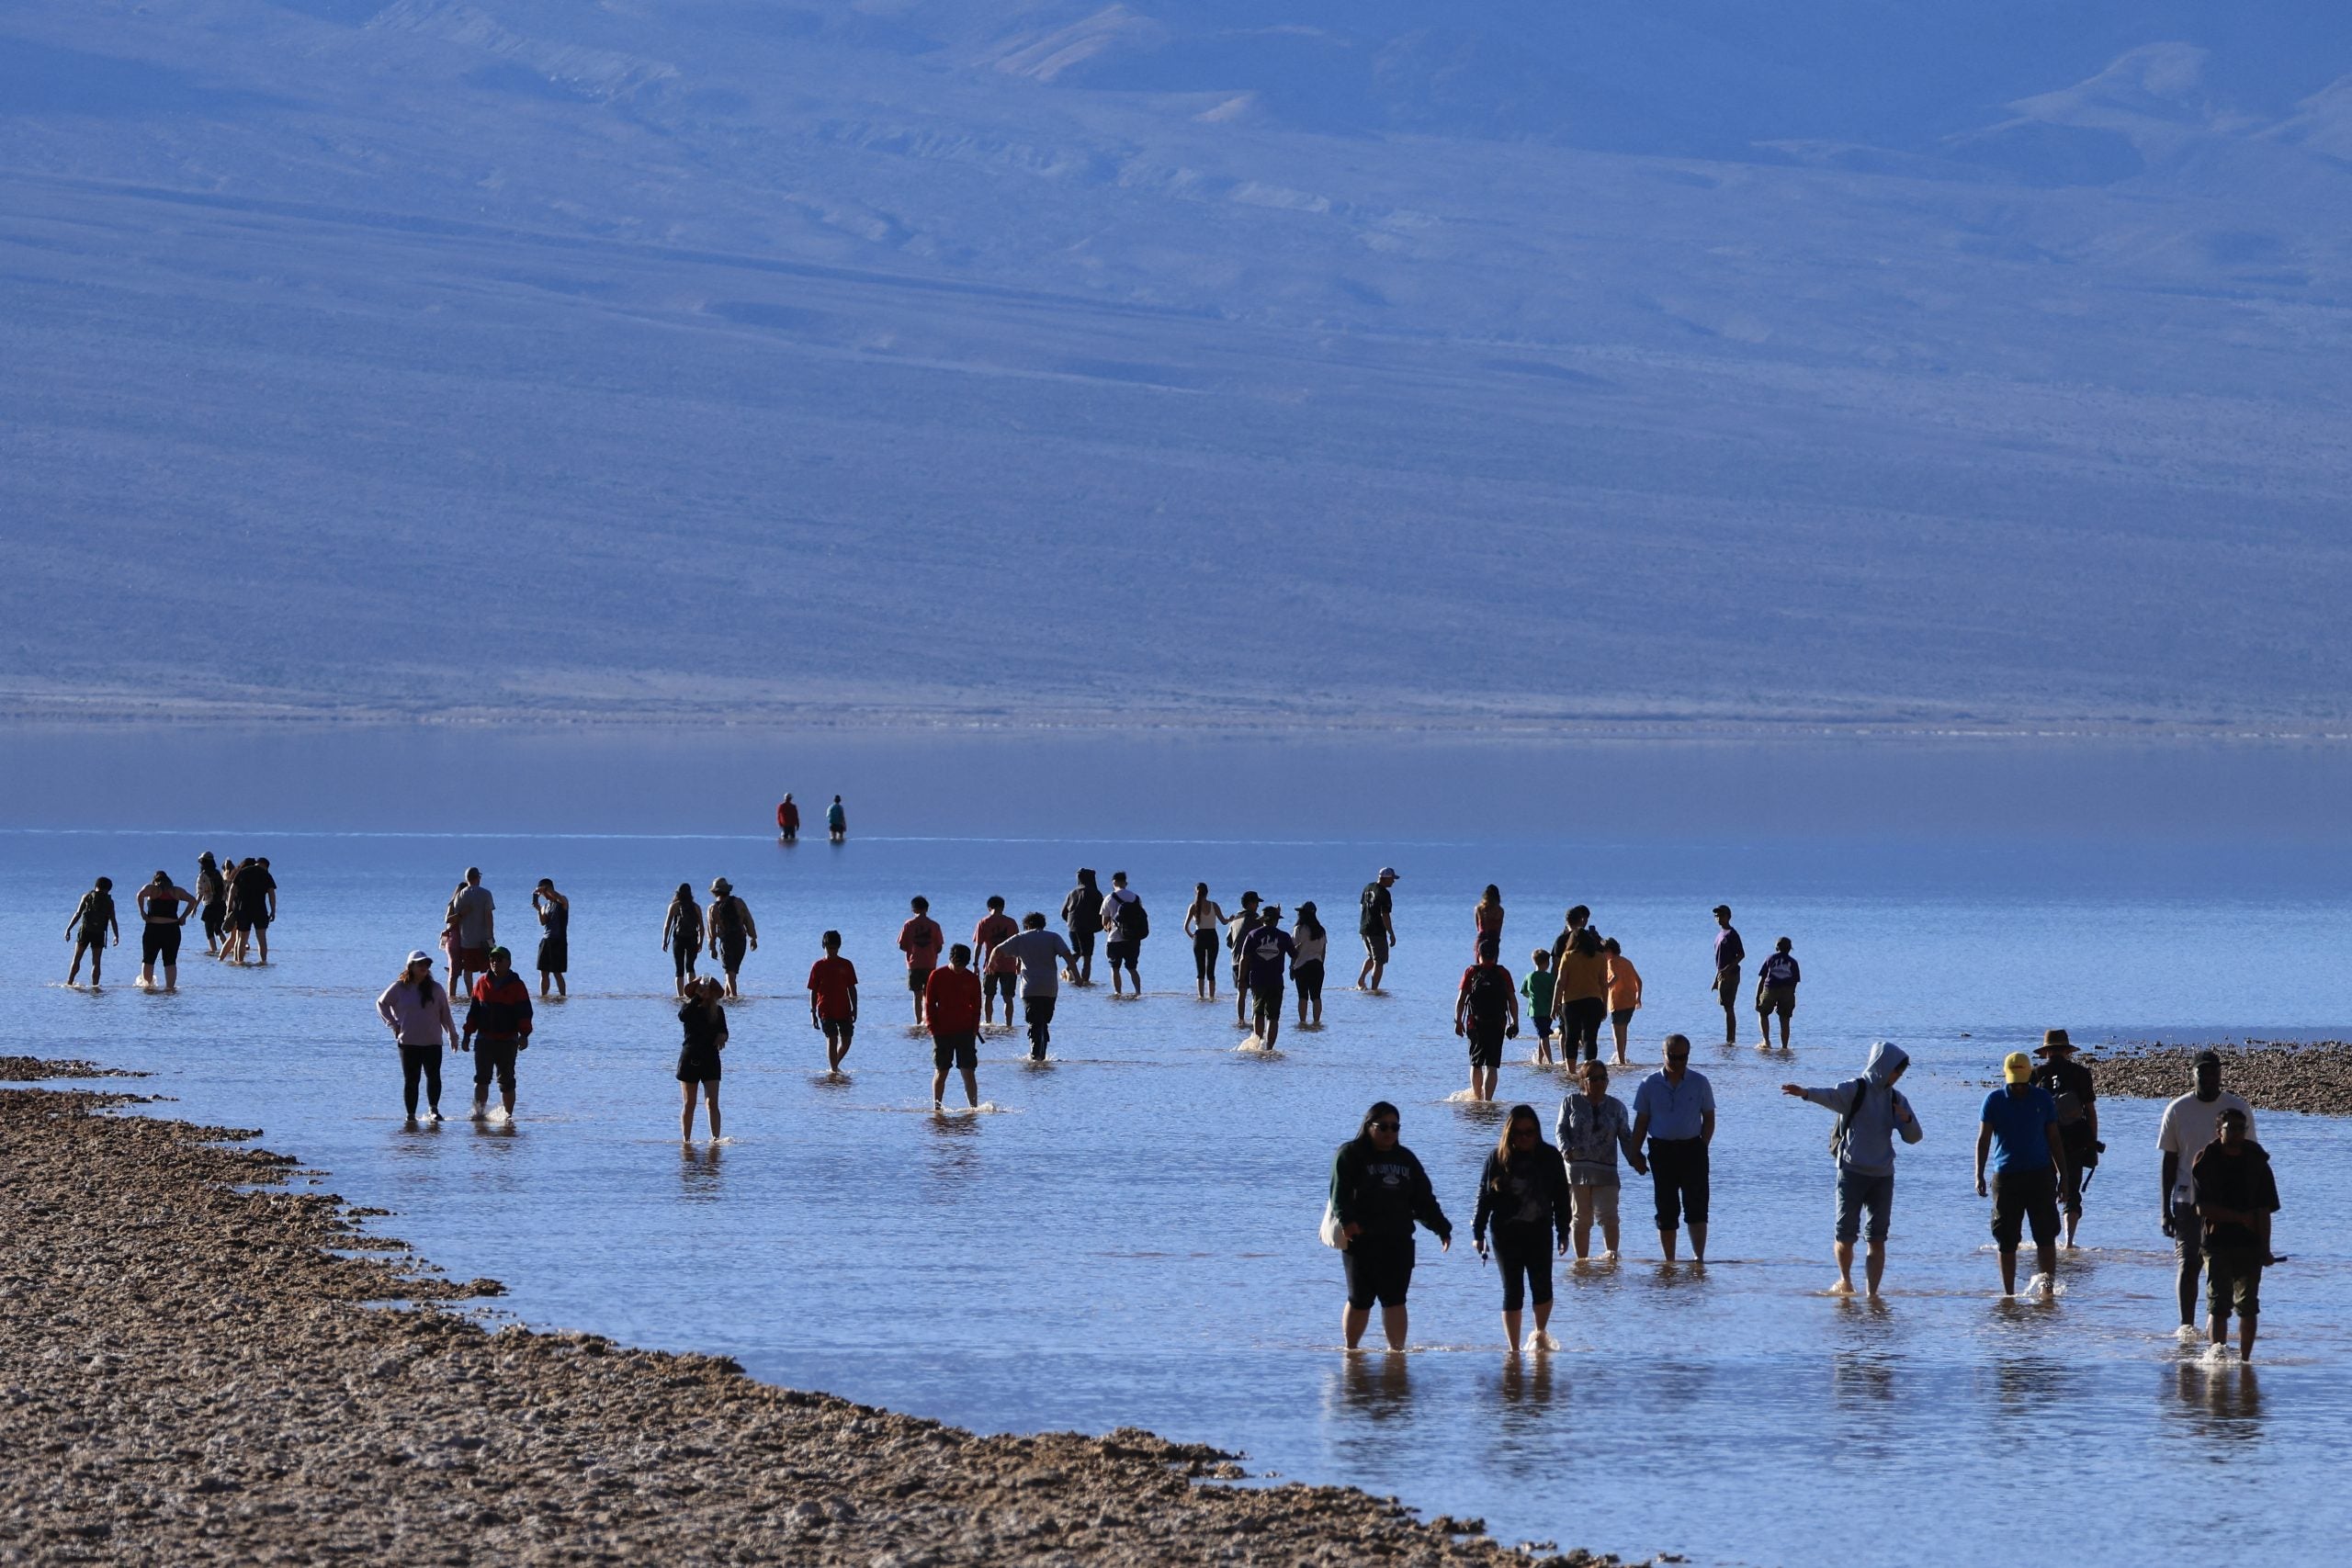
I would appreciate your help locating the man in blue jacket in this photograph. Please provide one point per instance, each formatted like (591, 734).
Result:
(1871, 1114)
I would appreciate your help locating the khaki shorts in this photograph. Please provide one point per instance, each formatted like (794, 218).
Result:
(1594, 1204)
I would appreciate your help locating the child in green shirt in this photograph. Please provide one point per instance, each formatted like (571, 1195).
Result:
(1537, 989)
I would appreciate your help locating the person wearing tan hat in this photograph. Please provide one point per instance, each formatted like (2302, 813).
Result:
(2071, 1085)
(2019, 1129)
(731, 930)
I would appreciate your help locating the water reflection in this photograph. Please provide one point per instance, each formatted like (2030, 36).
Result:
(1374, 1385)
(1862, 1379)
(2223, 1400)
(699, 1172)
(1526, 1391)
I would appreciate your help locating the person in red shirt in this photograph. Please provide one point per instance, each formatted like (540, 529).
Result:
(787, 820)
(920, 940)
(832, 1000)
(998, 969)
(951, 1006)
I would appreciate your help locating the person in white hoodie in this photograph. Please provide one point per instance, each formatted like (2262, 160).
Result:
(417, 1012)
(1870, 1112)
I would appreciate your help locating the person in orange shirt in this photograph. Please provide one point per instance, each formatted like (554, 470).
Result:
(1625, 994)
(920, 938)
(951, 1007)
(832, 1000)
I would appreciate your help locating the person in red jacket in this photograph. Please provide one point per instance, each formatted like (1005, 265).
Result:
(498, 1026)
(787, 820)
(951, 1004)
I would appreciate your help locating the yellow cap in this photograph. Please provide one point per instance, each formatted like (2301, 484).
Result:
(2018, 1067)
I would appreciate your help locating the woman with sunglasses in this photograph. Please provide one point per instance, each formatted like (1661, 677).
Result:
(1378, 1191)
(1525, 1193)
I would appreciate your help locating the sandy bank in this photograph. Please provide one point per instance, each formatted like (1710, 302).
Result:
(2272, 1076)
(187, 1375)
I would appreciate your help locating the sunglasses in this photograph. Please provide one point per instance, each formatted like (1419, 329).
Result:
(1386, 1126)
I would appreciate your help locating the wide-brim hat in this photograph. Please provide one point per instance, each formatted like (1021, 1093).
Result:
(720, 884)
(2054, 1041)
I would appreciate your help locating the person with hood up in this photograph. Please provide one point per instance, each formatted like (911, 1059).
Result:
(1082, 920)
(1871, 1114)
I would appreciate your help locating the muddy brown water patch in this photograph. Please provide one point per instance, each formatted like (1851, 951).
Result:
(190, 1374)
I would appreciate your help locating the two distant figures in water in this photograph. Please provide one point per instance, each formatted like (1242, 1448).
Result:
(787, 820)
(237, 904)
(469, 934)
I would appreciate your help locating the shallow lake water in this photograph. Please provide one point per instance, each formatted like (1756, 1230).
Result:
(1130, 1238)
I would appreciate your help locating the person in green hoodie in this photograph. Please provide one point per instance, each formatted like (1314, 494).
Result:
(1378, 1191)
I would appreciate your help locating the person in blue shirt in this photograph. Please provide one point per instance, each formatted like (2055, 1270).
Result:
(1675, 1109)
(2019, 1130)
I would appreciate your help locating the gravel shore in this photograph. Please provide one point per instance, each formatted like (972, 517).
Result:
(188, 1375)
(2271, 1075)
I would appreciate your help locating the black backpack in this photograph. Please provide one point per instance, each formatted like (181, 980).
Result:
(1134, 923)
(1489, 993)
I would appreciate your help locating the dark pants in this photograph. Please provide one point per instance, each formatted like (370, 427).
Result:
(422, 1061)
(1204, 955)
(1678, 1176)
(1580, 1020)
(494, 1058)
(2189, 1250)
(1037, 1012)
(1524, 1254)
(2078, 1155)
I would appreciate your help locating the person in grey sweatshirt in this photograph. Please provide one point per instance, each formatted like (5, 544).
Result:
(1870, 1112)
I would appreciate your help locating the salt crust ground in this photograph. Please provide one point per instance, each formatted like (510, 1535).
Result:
(2272, 1075)
(187, 1375)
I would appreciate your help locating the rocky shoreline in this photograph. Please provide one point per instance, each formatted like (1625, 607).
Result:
(2271, 1075)
(191, 1372)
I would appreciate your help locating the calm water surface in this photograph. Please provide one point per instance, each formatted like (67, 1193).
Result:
(1131, 1238)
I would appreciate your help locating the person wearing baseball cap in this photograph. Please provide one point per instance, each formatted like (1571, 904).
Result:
(1730, 953)
(500, 1016)
(2189, 1123)
(1376, 922)
(2071, 1085)
(417, 1012)
(2019, 1129)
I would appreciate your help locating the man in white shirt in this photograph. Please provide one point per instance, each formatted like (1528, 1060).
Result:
(2189, 1123)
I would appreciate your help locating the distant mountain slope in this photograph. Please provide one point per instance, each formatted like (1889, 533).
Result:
(1638, 365)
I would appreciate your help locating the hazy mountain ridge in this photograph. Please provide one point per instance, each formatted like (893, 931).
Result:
(1204, 361)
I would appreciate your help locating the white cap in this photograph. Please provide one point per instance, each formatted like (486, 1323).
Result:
(419, 957)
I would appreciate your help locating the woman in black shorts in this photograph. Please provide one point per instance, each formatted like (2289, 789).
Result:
(682, 932)
(1525, 1193)
(705, 1025)
(1378, 1191)
(554, 934)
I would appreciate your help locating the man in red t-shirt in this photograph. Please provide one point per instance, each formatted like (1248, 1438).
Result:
(998, 970)
(952, 1005)
(787, 820)
(832, 1000)
(920, 940)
